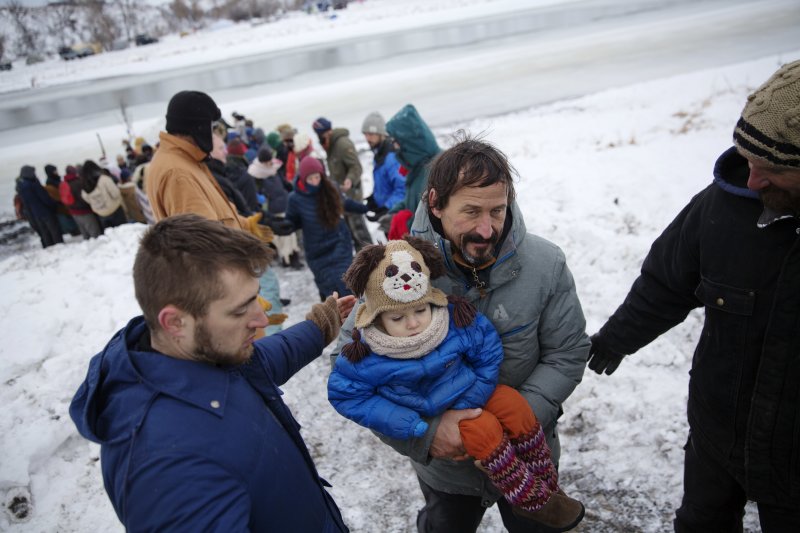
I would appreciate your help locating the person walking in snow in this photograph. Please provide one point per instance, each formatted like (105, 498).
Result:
(70, 192)
(522, 284)
(413, 356)
(345, 171)
(316, 206)
(264, 170)
(388, 183)
(38, 208)
(102, 194)
(734, 251)
(184, 401)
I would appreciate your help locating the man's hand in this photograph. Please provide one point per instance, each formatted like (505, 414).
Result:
(447, 441)
(347, 185)
(344, 304)
(600, 359)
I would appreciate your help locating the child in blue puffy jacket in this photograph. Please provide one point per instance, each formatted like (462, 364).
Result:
(415, 354)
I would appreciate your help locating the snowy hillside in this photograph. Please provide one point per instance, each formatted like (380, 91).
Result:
(601, 176)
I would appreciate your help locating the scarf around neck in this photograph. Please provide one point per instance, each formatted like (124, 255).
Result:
(410, 347)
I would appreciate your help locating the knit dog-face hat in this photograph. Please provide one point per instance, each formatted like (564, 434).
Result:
(769, 128)
(395, 277)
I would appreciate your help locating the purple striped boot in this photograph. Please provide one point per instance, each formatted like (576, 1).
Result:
(549, 506)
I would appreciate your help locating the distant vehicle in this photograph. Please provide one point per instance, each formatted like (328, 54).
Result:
(67, 53)
(120, 44)
(143, 39)
(33, 59)
(6, 65)
(78, 51)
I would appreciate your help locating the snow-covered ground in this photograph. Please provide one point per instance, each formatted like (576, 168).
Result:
(601, 176)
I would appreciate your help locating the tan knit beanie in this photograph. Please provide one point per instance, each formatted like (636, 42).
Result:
(769, 128)
(400, 281)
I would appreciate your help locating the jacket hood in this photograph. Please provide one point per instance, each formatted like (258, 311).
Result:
(417, 143)
(109, 370)
(731, 173)
(260, 170)
(337, 133)
(121, 384)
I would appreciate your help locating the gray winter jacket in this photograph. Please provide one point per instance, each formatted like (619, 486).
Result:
(531, 300)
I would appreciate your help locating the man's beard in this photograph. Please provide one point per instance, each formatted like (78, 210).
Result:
(477, 239)
(781, 201)
(205, 351)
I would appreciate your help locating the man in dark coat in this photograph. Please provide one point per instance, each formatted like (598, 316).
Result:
(184, 401)
(39, 208)
(734, 250)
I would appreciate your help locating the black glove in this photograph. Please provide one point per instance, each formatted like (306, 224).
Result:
(601, 359)
(377, 214)
(372, 205)
(280, 226)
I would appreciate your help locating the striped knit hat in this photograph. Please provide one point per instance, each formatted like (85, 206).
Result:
(769, 128)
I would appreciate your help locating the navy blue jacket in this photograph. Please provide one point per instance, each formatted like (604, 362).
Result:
(744, 399)
(188, 446)
(329, 251)
(35, 200)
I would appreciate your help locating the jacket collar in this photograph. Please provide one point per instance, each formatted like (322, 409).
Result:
(178, 378)
(731, 173)
(506, 265)
(173, 143)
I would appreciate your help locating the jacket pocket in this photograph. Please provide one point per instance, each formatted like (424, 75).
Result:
(720, 354)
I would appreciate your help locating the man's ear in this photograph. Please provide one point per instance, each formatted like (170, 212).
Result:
(171, 320)
(433, 200)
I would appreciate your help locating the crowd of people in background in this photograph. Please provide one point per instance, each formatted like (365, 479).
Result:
(310, 192)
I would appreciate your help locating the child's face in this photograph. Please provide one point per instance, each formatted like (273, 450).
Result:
(406, 323)
(314, 179)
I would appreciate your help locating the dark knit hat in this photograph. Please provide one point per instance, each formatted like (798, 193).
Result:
(191, 113)
(265, 154)
(769, 127)
(321, 125)
(27, 171)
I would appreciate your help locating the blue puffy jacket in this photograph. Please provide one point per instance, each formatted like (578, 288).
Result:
(329, 252)
(391, 396)
(187, 446)
(389, 186)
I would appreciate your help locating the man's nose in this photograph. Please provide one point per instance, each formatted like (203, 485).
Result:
(756, 182)
(484, 228)
(260, 319)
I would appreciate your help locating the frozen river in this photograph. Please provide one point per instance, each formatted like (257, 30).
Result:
(452, 71)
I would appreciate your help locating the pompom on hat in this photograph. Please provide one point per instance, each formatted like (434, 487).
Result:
(769, 128)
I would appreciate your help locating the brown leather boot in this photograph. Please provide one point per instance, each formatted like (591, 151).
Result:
(560, 513)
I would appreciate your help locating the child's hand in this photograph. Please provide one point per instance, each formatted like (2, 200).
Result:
(344, 304)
